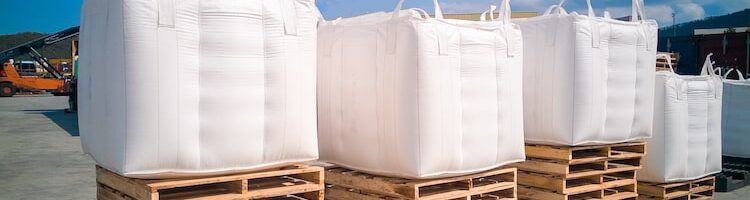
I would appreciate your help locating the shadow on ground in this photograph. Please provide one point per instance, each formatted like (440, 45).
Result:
(66, 121)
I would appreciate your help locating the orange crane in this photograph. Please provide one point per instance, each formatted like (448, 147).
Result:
(11, 81)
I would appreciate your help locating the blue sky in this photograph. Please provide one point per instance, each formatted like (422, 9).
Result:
(49, 16)
(46, 16)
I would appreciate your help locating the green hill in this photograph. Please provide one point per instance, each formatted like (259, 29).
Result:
(737, 19)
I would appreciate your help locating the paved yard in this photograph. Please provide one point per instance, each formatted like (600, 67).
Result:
(41, 157)
(40, 153)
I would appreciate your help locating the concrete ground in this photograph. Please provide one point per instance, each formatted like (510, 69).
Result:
(40, 152)
(41, 157)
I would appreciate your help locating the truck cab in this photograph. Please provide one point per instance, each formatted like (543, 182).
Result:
(26, 68)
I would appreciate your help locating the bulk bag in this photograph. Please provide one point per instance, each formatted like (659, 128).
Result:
(417, 97)
(735, 115)
(189, 88)
(686, 144)
(588, 79)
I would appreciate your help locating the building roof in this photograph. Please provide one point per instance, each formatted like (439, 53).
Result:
(713, 31)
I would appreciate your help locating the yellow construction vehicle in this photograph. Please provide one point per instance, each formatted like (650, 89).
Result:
(53, 81)
(11, 81)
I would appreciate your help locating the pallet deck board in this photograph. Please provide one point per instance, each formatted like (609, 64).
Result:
(616, 194)
(351, 184)
(290, 182)
(345, 193)
(575, 186)
(611, 192)
(702, 188)
(588, 153)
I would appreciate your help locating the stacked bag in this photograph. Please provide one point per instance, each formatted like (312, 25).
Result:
(404, 94)
(687, 127)
(188, 88)
(735, 124)
(588, 79)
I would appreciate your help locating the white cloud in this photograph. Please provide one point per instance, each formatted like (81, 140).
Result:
(660, 13)
(617, 12)
(690, 11)
(685, 10)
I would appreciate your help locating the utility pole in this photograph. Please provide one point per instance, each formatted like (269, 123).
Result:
(674, 34)
(674, 28)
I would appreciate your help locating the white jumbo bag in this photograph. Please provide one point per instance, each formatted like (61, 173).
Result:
(189, 88)
(735, 116)
(418, 97)
(588, 79)
(686, 144)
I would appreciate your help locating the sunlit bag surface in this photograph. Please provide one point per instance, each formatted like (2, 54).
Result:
(404, 94)
(687, 127)
(173, 88)
(588, 79)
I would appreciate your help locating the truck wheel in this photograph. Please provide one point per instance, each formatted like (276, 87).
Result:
(7, 90)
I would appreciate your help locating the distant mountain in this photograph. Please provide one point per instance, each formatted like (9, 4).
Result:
(737, 19)
(59, 50)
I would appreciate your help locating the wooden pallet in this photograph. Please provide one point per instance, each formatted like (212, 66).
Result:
(580, 172)
(658, 69)
(583, 161)
(612, 192)
(291, 182)
(346, 184)
(663, 65)
(700, 189)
